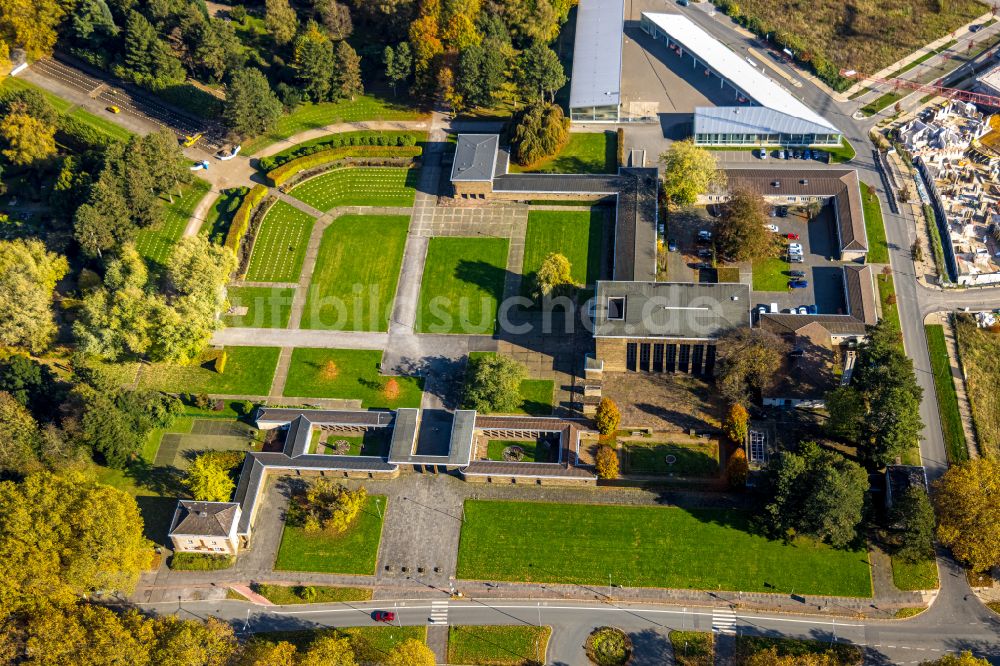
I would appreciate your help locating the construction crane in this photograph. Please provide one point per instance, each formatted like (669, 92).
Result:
(977, 98)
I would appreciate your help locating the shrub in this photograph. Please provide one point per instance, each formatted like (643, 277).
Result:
(608, 417)
(608, 646)
(306, 592)
(493, 384)
(200, 562)
(241, 220)
(606, 462)
(220, 362)
(391, 390)
(286, 171)
(737, 469)
(200, 401)
(737, 424)
(621, 146)
(244, 407)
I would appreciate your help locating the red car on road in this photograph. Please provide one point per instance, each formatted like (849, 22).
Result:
(384, 616)
(792, 236)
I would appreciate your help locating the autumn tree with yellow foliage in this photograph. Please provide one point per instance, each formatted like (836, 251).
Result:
(968, 504)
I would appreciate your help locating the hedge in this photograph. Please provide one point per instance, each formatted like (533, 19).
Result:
(620, 146)
(363, 138)
(285, 172)
(200, 562)
(241, 220)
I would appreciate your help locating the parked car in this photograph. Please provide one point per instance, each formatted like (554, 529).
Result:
(773, 213)
(114, 109)
(795, 258)
(798, 284)
(801, 310)
(795, 247)
(798, 154)
(762, 153)
(976, 27)
(785, 154)
(811, 309)
(761, 309)
(383, 616)
(782, 211)
(807, 155)
(792, 236)
(672, 245)
(703, 264)
(773, 228)
(704, 235)
(683, 3)
(797, 274)
(704, 252)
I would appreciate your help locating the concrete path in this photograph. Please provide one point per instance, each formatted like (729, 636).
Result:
(283, 337)
(250, 594)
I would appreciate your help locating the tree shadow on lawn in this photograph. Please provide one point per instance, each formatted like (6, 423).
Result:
(165, 480)
(500, 647)
(157, 513)
(449, 374)
(486, 276)
(681, 419)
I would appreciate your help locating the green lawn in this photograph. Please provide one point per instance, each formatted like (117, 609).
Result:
(537, 395)
(299, 594)
(693, 648)
(575, 234)
(374, 442)
(878, 248)
(701, 459)
(648, 547)
(248, 371)
(462, 285)
(268, 307)
(842, 153)
(220, 215)
(330, 140)
(156, 243)
(771, 274)
(280, 245)
(348, 374)
(313, 116)
(947, 399)
(887, 296)
(491, 645)
(921, 575)
(881, 102)
(354, 282)
(352, 552)
(534, 450)
(359, 186)
(585, 152)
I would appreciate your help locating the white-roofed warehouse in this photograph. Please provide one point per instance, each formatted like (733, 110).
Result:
(763, 113)
(595, 87)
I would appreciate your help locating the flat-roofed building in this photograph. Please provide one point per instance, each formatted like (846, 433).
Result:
(763, 113)
(595, 86)
(665, 326)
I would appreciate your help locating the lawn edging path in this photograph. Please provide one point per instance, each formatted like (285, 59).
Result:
(642, 546)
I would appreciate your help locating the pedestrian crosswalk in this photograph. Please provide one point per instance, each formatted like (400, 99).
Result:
(439, 612)
(723, 621)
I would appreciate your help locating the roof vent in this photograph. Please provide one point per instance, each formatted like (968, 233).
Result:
(804, 181)
(775, 183)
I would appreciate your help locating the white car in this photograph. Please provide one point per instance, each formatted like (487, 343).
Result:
(803, 310)
(771, 227)
(795, 247)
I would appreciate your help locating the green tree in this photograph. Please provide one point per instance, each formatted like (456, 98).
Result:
(314, 62)
(29, 140)
(410, 652)
(28, 276)
(104, 222)
(748, 362)
(20, 438)
(846, 409)
(348, 75)
(481, 74)
(62, 537)
(494, 384)
(737, 424)
(335, 17)
(329, 506)
(148, 61)
(818, 493)
(541, 130)
(398, 64)
(608, 417)
(216, 49)
(554, 275)
(162, 159)
(541, 73)
(915, 516)
(688, 172)
(606, 462)
(968, 505)
(30, 383)
(201, 268)
(740, 234)
(280, 20)
(328, 651)
(251, 107)
(61, 633)
(208, 482)
(92, 22)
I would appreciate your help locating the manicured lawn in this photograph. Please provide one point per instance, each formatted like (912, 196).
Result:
(576, 235)
(462, 285)
(353, 551)
(980, 352)
(887, 296)
(359, 186)
(538, 450)
(920, 575)
(102, 125)
(267, 307)
(248, 371)
(537, 395)
(156, 243)
(693, 648)
(947, 398)
(300, 594)
(700, 459)
(334, 140)
(881, 102)
(280, 245)
(878, 248)
(312, 116)
(348, 374)
(220, 215)
(374, 442)
(585, 152)
(771, 274)
(354, 282)
(647, 547)
(497, 645)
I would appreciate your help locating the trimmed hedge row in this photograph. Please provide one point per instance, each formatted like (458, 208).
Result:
(241, 220)
(362, 138)
(285, 172)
